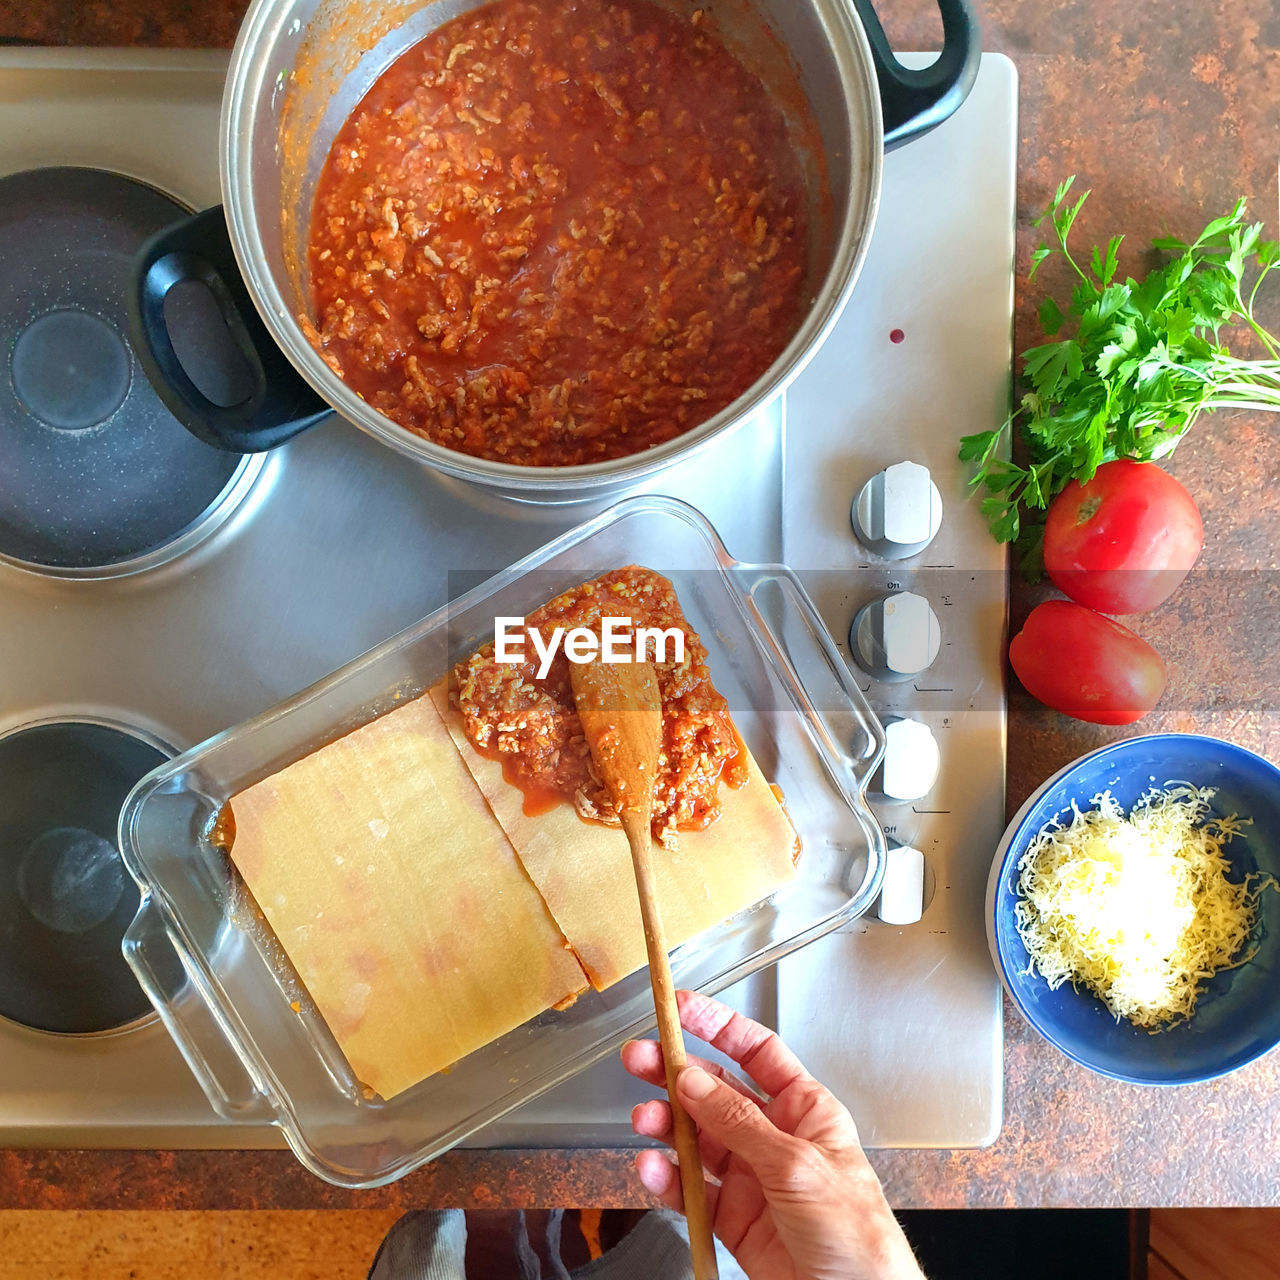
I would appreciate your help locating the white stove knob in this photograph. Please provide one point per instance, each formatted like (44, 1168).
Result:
(898, 511)
(895, 637)
(911, 760)
(902, 893)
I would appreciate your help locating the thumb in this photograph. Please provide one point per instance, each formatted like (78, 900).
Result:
(735, 1121)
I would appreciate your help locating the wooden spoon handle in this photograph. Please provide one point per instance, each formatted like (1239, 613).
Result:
(671, 1035)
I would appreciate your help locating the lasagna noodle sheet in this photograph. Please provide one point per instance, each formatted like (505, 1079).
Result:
(583, 869)
(399, 900)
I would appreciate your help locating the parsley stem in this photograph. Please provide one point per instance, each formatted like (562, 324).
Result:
(1243, 401)
(1254, 373)
(1066, 253)
(1253, 293)
(1246, 313)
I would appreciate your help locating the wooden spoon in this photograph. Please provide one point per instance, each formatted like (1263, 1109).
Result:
(621, 713)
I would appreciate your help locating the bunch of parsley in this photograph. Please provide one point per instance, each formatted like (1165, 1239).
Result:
(1142, 362)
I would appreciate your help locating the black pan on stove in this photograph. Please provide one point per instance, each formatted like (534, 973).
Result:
(94, 470)
(65, 896)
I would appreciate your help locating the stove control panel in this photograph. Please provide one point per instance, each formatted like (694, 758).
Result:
(898, 512)
(895, 637)
(900, 1012)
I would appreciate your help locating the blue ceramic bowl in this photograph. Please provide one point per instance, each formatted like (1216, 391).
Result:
(1237, 1018)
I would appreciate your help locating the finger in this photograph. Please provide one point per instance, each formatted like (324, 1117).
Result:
(741, 1126)
(660, 1176)
(757, 1050)
(653, 1120)
(811, 1111)
(643, 1059)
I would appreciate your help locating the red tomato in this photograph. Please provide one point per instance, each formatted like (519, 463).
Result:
(1123, 542)
(1086, 665)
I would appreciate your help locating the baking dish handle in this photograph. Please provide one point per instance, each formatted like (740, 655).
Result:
(823, 685)
(915, 101)
(271, 400)
(189, 1021)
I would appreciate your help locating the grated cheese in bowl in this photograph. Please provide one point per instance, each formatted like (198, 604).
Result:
(1137, 909)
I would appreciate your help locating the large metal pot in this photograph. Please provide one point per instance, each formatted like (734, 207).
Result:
(298, 69)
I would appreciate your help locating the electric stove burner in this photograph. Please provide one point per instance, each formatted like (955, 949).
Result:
(65, 896)
(94, 471)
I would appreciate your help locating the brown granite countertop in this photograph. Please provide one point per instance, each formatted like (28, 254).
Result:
(1169, 112)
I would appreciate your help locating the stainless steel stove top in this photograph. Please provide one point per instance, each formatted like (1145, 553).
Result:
(309, 570)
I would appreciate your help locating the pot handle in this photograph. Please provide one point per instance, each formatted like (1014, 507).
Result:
(913, 102)
(278, 404)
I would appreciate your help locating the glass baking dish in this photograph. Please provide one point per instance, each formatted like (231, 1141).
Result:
(235, 1006)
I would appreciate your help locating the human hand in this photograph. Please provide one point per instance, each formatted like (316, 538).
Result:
(797, 1199)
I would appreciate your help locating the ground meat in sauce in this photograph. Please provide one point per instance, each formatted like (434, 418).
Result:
(560, 232)
(533, 727)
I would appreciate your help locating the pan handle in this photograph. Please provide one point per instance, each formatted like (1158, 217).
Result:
(822, 683)
(913, 102)
(821, 687)
(188, 1017)
(277, 403)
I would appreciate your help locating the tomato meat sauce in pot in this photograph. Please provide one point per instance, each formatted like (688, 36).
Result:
(559, 232)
